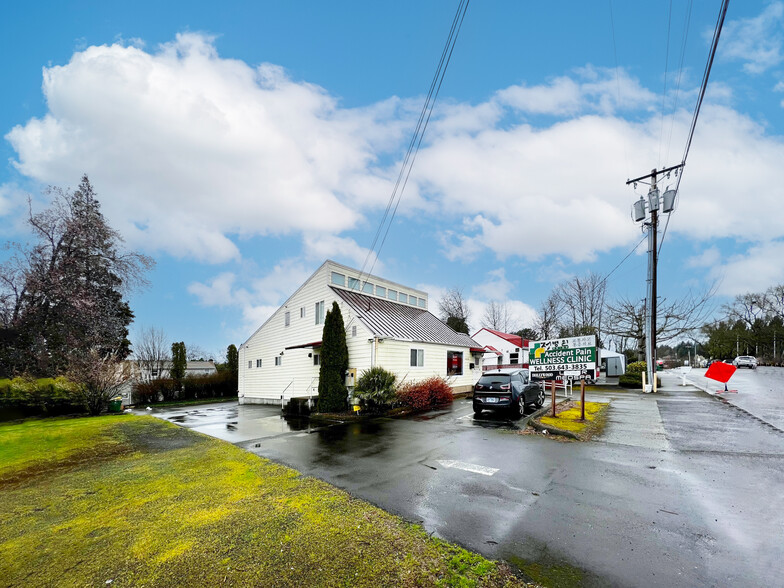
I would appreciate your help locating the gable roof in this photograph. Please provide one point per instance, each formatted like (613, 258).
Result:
(516, 340)
(385, 318)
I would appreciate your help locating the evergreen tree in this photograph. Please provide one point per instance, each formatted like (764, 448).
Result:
(179, 362)
(62, 297)
(232, 359)
(334, 363)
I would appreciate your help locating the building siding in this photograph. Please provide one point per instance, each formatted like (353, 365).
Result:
(297, 376)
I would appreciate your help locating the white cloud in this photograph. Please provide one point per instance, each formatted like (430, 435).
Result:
(190, 152)
(756, 41)
(755, 271)
(257, 298)
(708, 258)
(495, 286)
(217, 292)
(321, 247)
(598, 90)
(186, 148)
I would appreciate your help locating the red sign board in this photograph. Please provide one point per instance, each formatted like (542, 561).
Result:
(720, 371)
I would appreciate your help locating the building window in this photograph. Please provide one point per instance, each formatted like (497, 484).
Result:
(278, 360)
(417, 357)
(367, 288)
(454, 363)
(258, 363)
(287, 318)
(403, 298)
(381, 291)
(422, 303)
(338, 279)
(302, 312)
(514, 358)
(354, 331)
(353, 283)
(320, 313)
(250, 364)
(392, 294)
(316, 359)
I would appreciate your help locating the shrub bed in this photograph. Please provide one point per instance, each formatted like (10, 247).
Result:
(375, 388)
(632, 379)
(24, 397)
(220, 385)
(425, 394)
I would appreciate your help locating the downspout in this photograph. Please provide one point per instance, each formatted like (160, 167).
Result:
(374, 352)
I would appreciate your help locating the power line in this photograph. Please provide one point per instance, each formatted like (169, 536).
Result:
(416, 140)
(612, 271)
(700, 98)
(666, 71)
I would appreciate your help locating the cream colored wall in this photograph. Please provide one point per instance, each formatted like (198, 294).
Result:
(395, 356)
(296, 376)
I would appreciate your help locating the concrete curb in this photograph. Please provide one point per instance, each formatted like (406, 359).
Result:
(551, 430)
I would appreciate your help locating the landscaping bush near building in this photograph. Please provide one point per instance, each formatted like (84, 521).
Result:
(376, 388)
(425, 394)
(633, 377)
(25, 396)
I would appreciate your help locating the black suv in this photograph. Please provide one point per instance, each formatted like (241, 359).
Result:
(507, 390)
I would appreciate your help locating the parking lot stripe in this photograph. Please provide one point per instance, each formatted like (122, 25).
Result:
(468, 467)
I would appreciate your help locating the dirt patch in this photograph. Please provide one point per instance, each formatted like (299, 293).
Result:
(95, 455)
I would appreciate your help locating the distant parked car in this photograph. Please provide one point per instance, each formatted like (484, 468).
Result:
(508, 391)
(748, 361)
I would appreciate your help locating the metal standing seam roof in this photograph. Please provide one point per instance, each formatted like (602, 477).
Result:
(400, 321)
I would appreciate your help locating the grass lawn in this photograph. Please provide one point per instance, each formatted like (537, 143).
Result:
(139, 501)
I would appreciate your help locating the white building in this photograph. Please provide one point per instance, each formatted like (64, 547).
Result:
(502, 350)
(387, 325)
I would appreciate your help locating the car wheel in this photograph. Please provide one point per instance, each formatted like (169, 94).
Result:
(518, 409)
(539, 398)
(477, 410)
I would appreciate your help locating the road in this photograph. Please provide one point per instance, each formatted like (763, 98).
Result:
(759, 392)
(681, 490)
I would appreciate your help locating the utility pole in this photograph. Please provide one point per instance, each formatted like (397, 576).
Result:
(667, 204)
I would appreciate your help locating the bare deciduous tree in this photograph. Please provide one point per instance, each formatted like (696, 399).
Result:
(498, 317)
(98, 377)
(626, 318)
(582, 304)
(548, 323)
(195, 352)
(151, 351)
(773, 301)
(454, 310)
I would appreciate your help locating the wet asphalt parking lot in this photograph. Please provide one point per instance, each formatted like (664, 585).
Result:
(681, 490)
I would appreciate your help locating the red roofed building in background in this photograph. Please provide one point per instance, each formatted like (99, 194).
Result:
(502, 350)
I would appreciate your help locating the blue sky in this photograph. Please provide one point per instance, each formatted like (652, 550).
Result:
(241, 145)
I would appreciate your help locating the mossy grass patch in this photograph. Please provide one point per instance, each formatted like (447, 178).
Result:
(568, 419)
(138, 501)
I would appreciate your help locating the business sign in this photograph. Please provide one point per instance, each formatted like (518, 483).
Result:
(562, 357)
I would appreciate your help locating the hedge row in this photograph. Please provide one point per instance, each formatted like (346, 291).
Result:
(220, 385)
(25, 397)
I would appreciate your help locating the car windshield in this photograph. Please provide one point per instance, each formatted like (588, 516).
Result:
(490, 379)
